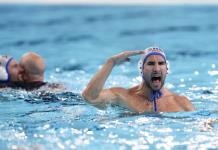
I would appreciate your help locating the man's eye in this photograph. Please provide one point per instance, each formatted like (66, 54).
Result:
(150, 63)
(162, 63)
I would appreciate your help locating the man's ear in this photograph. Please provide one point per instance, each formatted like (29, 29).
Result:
(25, 76)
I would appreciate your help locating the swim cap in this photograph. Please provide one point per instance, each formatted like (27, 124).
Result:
(4, 73)
(148, 52)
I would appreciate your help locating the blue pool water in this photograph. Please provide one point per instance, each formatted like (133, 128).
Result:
(75, 41)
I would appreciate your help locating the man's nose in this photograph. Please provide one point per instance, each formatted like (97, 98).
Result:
(156, 67)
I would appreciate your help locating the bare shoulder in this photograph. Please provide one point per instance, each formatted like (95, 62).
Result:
(114, 94)
(110, 95)
(124, 92)
(184, 102)
(180, 98)
(118, 90)
(175, 96)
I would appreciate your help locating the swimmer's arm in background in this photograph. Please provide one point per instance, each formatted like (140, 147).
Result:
(94, 92)
(56, 87)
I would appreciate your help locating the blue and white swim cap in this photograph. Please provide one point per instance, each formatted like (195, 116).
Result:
(148, 52)
(4, 72)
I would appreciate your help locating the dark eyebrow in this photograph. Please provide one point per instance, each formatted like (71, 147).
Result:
(150, 63)
(153, 62)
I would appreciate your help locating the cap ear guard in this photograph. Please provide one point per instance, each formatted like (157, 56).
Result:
(4, 73)
(168, 66)
(140, 65)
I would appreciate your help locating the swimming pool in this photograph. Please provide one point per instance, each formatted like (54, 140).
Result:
(75, 41)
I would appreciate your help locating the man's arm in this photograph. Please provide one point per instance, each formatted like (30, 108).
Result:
(94, 92)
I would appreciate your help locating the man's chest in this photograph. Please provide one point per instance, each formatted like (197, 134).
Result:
(140, 104)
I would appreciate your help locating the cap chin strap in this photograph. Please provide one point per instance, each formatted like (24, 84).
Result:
(155, 94)
(9, 76)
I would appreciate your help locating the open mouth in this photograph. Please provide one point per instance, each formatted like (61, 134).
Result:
(156, 79)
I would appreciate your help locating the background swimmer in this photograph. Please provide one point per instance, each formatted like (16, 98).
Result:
(28, 74)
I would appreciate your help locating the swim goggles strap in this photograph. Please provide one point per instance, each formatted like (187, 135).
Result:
(154, 96)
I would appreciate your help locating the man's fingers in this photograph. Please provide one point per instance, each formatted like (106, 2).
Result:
(132, 53)
(124, 56)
